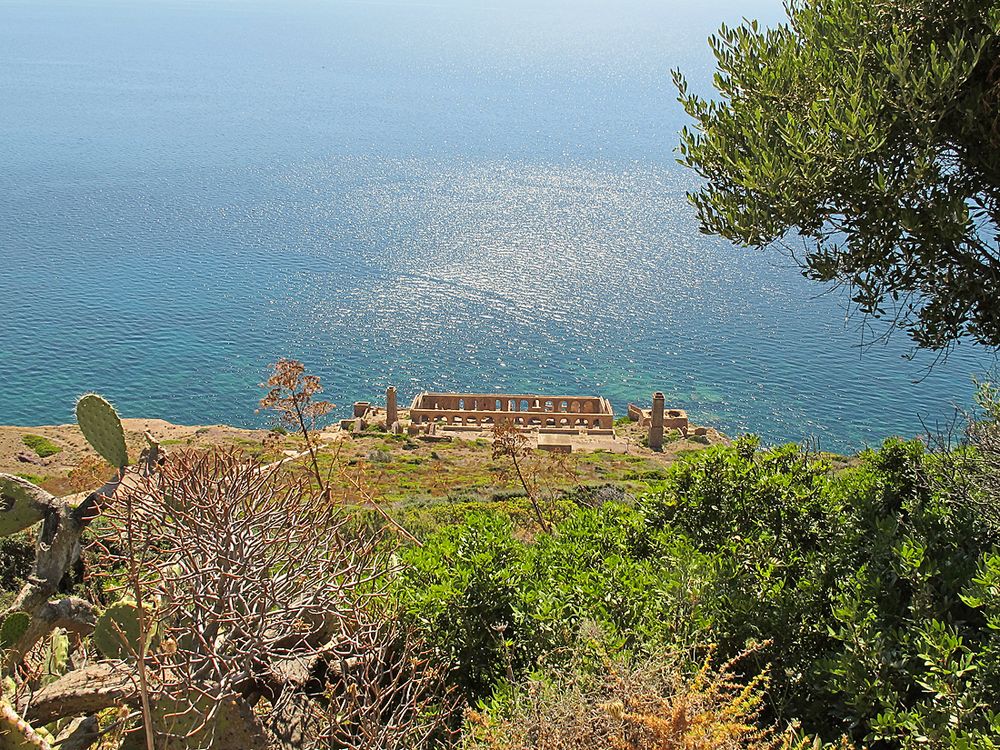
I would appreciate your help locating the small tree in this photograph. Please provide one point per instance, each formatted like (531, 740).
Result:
(510, 442)
(290, 394)
(872, 130)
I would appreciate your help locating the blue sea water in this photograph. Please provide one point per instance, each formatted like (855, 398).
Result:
(440, 194)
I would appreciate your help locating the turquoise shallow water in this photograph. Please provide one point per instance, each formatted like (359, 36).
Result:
(440, 195)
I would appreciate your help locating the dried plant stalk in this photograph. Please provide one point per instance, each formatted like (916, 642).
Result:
(650, 704)
(391, 694)
(245, 567)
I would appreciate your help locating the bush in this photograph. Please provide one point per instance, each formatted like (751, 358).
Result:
(17, 555)
(494, 604)
(462, 589)
(877, 595)
(42, 446)
(846, 573)
(629, 704)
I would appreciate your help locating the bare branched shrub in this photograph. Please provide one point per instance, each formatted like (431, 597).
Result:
(649, 704)
(245, 570)
(390, 695)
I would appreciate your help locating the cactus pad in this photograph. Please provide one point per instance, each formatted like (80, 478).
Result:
(103, 429)
(196, 721)
(13, 628)
(22, 504)
(57, 658)
(116, 634)
(16, 733)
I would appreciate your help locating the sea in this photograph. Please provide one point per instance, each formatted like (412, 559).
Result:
(432, 194)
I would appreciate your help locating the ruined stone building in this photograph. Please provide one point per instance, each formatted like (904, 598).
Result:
(526, 410)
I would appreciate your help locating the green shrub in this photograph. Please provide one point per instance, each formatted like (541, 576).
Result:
(875, 596)
(17, 555)
(603, 565)
(851, 576)
(33, 478)
(463, 590)
(494, 604)
(41, 445)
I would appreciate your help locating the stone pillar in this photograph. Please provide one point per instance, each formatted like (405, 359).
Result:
(391, 412)
(656, 423)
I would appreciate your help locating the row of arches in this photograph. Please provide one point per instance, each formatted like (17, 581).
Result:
(525, 421)
(547, 406)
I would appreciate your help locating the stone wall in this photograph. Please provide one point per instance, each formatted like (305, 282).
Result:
(521, 409)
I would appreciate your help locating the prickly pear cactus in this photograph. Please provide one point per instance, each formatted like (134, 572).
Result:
(184, 725)
(21, 504)
(116, 634)
(103, 429)
(16, 733)
(13, 627)
(57, 657)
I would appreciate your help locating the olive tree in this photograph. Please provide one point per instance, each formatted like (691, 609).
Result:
(863, 138)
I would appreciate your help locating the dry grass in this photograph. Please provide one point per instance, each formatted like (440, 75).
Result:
(651, 704)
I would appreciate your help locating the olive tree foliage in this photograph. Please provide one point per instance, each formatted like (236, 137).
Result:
(872, 131)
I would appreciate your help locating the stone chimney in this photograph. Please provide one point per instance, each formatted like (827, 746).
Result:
(656, 423)
(392, 413)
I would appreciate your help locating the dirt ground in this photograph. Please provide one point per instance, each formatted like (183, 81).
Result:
(395, 467)
(17, 458)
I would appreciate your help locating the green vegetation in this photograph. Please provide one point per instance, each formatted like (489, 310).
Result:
(872, 595)
(41, 445)
(33, 478)
(400, 471)
(380, 594)
(869, 130)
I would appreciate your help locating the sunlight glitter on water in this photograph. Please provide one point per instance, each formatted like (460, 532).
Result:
(448, 195)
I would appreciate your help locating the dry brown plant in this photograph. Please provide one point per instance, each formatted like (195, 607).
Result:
(291, 393)
(251, 579)
(648, 704)
(509, 442)
(393, 697)
(538, 474)
(90, 471)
